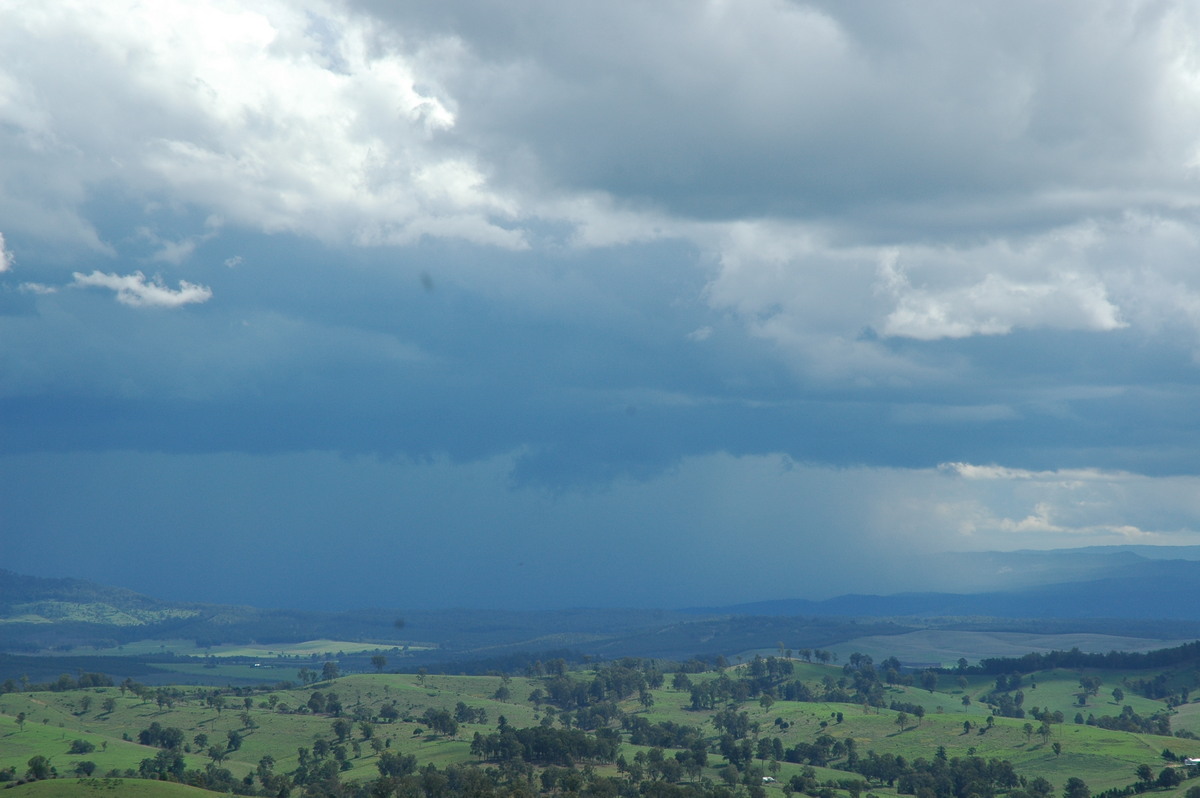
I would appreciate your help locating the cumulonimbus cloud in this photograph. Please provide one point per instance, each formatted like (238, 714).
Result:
(136, 290)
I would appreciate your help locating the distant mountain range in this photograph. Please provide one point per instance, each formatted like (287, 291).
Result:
(1117, 582)
(1141, 591)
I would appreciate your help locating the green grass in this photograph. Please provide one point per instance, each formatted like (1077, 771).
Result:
(1102, 758)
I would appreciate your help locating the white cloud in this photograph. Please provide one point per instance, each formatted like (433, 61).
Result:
(37, 288)
(992, 289)
(1066, 476)
(992, 506)
(6, 257)
(283, 116)
(135, 290)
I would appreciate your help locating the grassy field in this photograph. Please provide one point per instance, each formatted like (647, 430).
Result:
(944, 647)
(269, 725)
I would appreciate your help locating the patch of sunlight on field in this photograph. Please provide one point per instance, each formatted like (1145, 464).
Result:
(944, 647)
(305, 649)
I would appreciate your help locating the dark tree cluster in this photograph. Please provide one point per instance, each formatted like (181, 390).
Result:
(466, 714)
(160, 737)
(440, 721)
(62, 684)
(1129, 721)
(325, 704)
(666, 734)
(957, 777)
(613, 682)
(820, 752)
(543, 745)
(770, 677)
(1076, 659)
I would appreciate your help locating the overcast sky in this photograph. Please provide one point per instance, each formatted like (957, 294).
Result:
(546, 304)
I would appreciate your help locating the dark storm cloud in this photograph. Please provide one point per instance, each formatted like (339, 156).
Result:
(683, 274)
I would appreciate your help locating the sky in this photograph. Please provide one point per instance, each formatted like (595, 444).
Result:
(321, 304)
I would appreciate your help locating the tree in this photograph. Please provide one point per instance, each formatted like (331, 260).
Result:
(81, 747)
(21, 721)
(1118, 694)
(1028, 729)
(329, 672)
(1056, 748)
(39, 768)
(109, 705)
(1039, 787)
(85, 768)
(1168, 778)
(1076, 788)
(380, 662)
(1145, 774)
(902, 720)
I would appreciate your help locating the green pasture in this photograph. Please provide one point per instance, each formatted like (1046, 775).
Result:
(268, 726)
(53, 720)
(1187, 718)
(1059, 690)
(1102, 758)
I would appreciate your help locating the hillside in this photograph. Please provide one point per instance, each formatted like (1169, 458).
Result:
(808, 725)
(1120, 598)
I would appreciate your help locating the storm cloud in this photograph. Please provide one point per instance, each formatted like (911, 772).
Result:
(821, 280)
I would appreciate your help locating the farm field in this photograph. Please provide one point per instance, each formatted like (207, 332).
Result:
(944, 647)
(361, 720)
